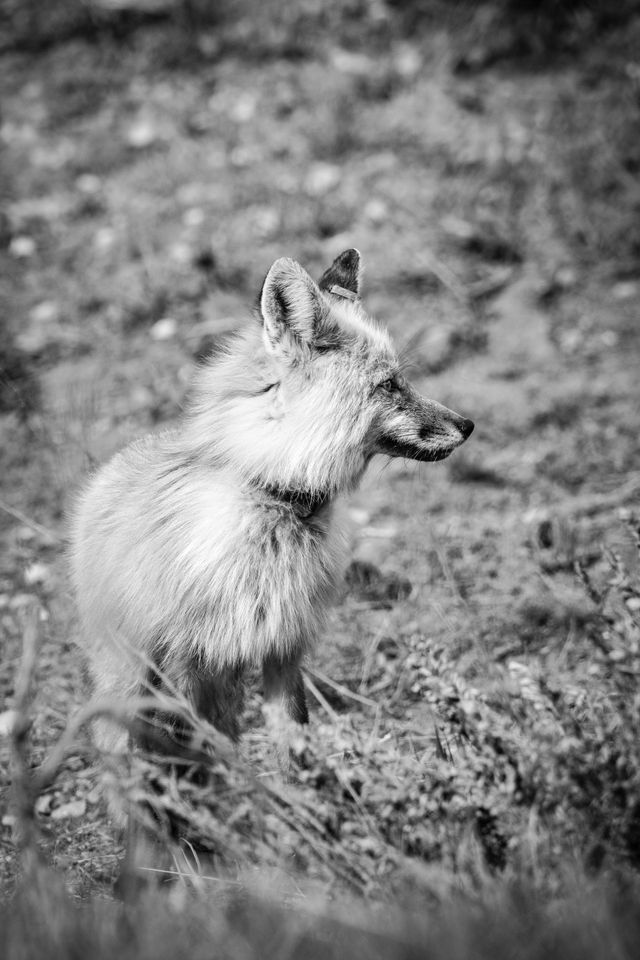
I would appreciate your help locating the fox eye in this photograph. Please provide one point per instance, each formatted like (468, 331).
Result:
(390, 385)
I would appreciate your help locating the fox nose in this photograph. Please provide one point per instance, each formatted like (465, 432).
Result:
(466, 427)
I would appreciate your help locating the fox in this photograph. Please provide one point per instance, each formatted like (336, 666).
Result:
(216, 546)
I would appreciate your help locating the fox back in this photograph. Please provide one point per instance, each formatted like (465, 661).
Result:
(217, 545)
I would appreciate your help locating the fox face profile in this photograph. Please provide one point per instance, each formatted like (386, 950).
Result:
(216, 546)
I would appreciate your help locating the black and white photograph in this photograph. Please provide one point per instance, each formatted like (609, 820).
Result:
(319, 479)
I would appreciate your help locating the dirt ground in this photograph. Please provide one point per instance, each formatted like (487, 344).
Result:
(151, 176)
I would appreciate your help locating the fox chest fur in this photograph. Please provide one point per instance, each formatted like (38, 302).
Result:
(185, 557)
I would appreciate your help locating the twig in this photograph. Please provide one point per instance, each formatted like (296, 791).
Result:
(24, 793)
(590, 504)
(340, 688)
(190, 876)
(127, 715)
(321, 700)
(18, 515)
(446, 277)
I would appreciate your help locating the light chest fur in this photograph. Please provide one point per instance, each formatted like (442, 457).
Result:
(183, 556)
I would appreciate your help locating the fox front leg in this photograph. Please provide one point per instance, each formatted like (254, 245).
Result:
(285, 704)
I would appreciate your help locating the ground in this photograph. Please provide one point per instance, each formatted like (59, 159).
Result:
(153, 172)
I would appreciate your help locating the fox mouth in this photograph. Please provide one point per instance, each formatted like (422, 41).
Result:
(434, 446)
(414, 451)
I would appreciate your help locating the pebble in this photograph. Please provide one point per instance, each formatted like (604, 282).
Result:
(407, 61)
(43, 803)
(22, 247)
(36, 573)
(193, 217)
(376, 211)
(164, 329)
(19, 600)
(141, 134)
(7, 721)
(244, 108)
(45, 312)
(359, 516)
(104, 238)
(70, 810)
(88, 183)
(321, 178)
(625, 290)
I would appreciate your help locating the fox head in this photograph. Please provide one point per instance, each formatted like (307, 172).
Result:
(305, 399)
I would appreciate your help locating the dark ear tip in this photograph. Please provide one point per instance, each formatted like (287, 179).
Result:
(344, 272)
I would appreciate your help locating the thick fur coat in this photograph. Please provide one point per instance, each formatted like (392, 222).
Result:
(215, 546)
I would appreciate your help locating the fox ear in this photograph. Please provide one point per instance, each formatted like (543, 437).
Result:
(344, 275)
(290, 305)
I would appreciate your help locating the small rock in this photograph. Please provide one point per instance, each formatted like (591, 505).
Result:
(141, 398)
(70, 810)
(88, 183)
(22, 247)
(458, 229)
(376, 211)
(9, 820)
(104, 238)
(625, 290)
(142, 133)
(193, 217)
(45, 312)
(321, 178)
(19, 600)
(355, 64)
(25, 534)
(7, 721)
(359, 516)
(407, 61)
(33, 342)
(43, 804)
(243, 156)
(36, 573)
(617, 655)
(608, 338)
(565, 277)
(181, 252)
(244, 107)
(164, 329)
(570, 340)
